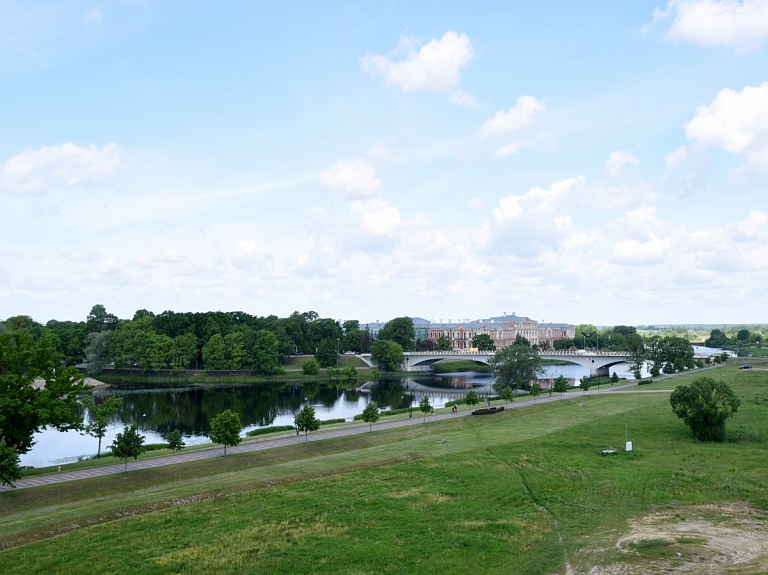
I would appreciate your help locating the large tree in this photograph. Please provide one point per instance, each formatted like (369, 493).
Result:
(516, 366)
(26, 408)
(400, 330)
(704, 406)
(387, 355)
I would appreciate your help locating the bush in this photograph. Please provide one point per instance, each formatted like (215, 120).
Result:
(359, 416)
(310, 367)
(271, 429)
(704, 406)
(330, 421)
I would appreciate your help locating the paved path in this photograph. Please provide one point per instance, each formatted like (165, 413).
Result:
(282, 441)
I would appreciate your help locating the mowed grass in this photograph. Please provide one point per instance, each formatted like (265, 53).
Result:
(519, 492)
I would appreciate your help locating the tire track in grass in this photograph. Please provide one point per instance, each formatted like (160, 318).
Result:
(531, 496)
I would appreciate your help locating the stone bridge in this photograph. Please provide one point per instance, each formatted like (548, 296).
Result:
(598, 363)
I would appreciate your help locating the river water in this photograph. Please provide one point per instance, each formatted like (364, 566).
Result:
(160, 409)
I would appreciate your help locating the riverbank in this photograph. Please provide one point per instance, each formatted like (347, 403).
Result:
(526, 487)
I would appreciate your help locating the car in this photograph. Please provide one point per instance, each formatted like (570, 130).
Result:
(746, 366)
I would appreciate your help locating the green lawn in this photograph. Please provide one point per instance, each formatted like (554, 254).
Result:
(524, 491)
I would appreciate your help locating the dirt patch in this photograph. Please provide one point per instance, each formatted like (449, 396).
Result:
(706, 540)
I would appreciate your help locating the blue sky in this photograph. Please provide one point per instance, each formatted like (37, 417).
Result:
(585, 162)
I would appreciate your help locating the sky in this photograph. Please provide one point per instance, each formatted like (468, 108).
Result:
(583, 162)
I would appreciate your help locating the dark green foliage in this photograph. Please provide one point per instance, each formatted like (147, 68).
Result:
(332, 421)
(25, 410)
(306, 421)
(326, 354)
(615, 378)
(535, 391)
(561, 385)
(10, 469)
(584, 384)
(443, 343)
(387, 355)
(704, 405)
(400, 330)
(310, 367)
(483, 342)
(472, 398)
(128, 444)
(742, 335)
(507, 395)
(225, 429)
(516, 366)
(267, 430)
(371, 414)
(175, 441)
(717, 338)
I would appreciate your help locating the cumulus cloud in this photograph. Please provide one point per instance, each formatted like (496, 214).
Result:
(736, 122)
(376, 215)
(351, 177)
(513, 119)
(739, 25)
(618, 160)
(676, 158)
(436, 66)
(536, 200)
(56, 167)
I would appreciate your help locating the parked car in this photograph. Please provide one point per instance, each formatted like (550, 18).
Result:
(746, 366)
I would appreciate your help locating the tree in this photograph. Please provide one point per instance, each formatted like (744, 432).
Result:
(348, 372)
(98, 416)
(310, 367)
(704, 406)
(215, 353)
(516, 366)
(327, 353)
(615, 378)
(184, 349)
(306, 421)
(717, 338)
(371, 414)
(10, 467)
(387, 355)
(443, 343)
(483, 342)
(585, 383)
(472, 398)
(535, 391)
(25, 409)
(742, 335)
(400, 330)
(507, 395)
(175, 441)
(225, 429)
(100, 320)
(425, 406)
(129, 443)
(561, 385)
(96, 351)
(266, 352)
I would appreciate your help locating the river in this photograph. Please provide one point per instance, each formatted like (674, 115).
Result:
(160, 409)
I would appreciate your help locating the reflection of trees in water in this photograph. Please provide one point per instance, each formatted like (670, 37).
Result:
(191, 409)
(390, 392)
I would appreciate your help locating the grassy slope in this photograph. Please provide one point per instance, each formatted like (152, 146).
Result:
(489, 493)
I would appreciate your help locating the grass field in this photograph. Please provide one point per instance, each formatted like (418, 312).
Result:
(525, 491)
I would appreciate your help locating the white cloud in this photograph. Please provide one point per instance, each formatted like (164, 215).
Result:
(513, 119)
(169, 256)
(352, 177)
(376, 215)
(436, 66)
(617, 160)
(513, 148)
(53, 167)
(739, 25)
(81, 255)
(631, 252)
(475, 203)
(736, 122)
(535, 200)
(674, 159)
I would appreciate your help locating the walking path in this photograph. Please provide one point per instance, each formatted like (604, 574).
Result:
(283, 441)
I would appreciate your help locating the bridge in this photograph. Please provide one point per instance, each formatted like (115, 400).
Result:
(598, 363)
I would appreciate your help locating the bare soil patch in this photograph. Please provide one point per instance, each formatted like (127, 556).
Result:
(706, 540)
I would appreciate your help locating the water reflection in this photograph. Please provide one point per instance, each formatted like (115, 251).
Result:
(190, 409)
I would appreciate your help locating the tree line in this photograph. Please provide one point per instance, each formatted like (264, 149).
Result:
(194, 340)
